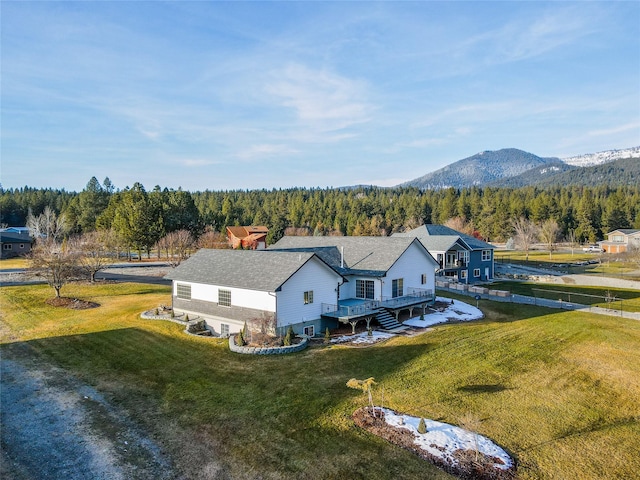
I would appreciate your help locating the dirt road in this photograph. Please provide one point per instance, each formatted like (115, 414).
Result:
(56, 427)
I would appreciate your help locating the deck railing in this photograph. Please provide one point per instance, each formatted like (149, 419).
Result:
(364, 308)
(412, 296)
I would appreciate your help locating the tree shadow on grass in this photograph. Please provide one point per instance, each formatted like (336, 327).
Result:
(483, 388)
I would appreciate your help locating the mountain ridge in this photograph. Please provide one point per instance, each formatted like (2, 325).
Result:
(513, 168)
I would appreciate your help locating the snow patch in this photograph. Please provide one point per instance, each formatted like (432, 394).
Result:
(591, 159)
(457, 311)
(442, 439)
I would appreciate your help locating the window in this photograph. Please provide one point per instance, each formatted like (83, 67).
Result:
(224, 330)
(308, 297)
(7, 246)
(224, 298)
(183, 291)
(451, 259)
(440, 259)
(423, 278)
(463, 274)
(476, 272)
(486, 255)
(396, 287)
(309, 331)
(364, 289)
(22, 246)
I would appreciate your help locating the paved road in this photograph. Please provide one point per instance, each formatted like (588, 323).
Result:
(146, 272)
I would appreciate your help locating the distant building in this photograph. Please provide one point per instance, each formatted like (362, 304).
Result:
(14, 244)
(460, 257)
(621, 240)
(248, 237)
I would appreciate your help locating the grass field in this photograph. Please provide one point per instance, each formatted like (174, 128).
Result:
(558, 390)
(628, 300)
(611, 265)
(13, 263)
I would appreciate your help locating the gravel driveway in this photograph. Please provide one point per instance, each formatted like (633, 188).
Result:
(56, 427)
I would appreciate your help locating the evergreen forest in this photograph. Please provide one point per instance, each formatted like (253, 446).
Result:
(583, 213)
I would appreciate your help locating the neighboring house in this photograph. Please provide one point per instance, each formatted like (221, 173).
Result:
(621, 240)
(460, 257)
(384, 276)
(227, 288)
(248, 238)
(14, 244)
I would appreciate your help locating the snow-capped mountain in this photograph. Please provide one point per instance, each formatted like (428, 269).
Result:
(591, 159)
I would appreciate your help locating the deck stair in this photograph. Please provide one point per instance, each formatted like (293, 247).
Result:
(388, 322)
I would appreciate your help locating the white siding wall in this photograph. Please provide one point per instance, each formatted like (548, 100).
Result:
(348, 290)
(411, 266)
(239, 297)
(315, 276)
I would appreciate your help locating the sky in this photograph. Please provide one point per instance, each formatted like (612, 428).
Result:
(250, 95)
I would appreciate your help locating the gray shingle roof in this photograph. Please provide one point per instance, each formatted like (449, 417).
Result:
(431, 230)
(249, 269)
(372, 256)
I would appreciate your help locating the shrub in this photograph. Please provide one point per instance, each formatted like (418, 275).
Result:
(186, 317)
(157, 312)
(327, 336)
(240, 339)
(287, 338)
(422, 426)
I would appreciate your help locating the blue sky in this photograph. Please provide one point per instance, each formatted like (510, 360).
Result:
(244, 95)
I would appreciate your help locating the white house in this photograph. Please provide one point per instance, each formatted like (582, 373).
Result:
(384, 275)
(230, 287)
(310, 283)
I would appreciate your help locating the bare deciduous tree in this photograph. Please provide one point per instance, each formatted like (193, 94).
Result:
(526, 234)
(572, 240)
(459, 224)
(47, 225)
(548, 233)
(55, 262)
(93, 250)
(212, 239)
(177, 246)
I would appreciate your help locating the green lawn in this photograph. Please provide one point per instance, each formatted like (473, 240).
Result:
(13, 263)
(612, 265)
(559, 390)
(628, 299)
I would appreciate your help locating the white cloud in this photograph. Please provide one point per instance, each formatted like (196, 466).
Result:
(322, 100)
(616, 129)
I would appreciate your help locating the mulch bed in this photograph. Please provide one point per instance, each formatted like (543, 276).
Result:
(466, 466)
(72, 303)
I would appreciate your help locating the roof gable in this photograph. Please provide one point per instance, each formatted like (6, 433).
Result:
(431, 230)
(625, 231)
(372, 256)
(245, 231)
